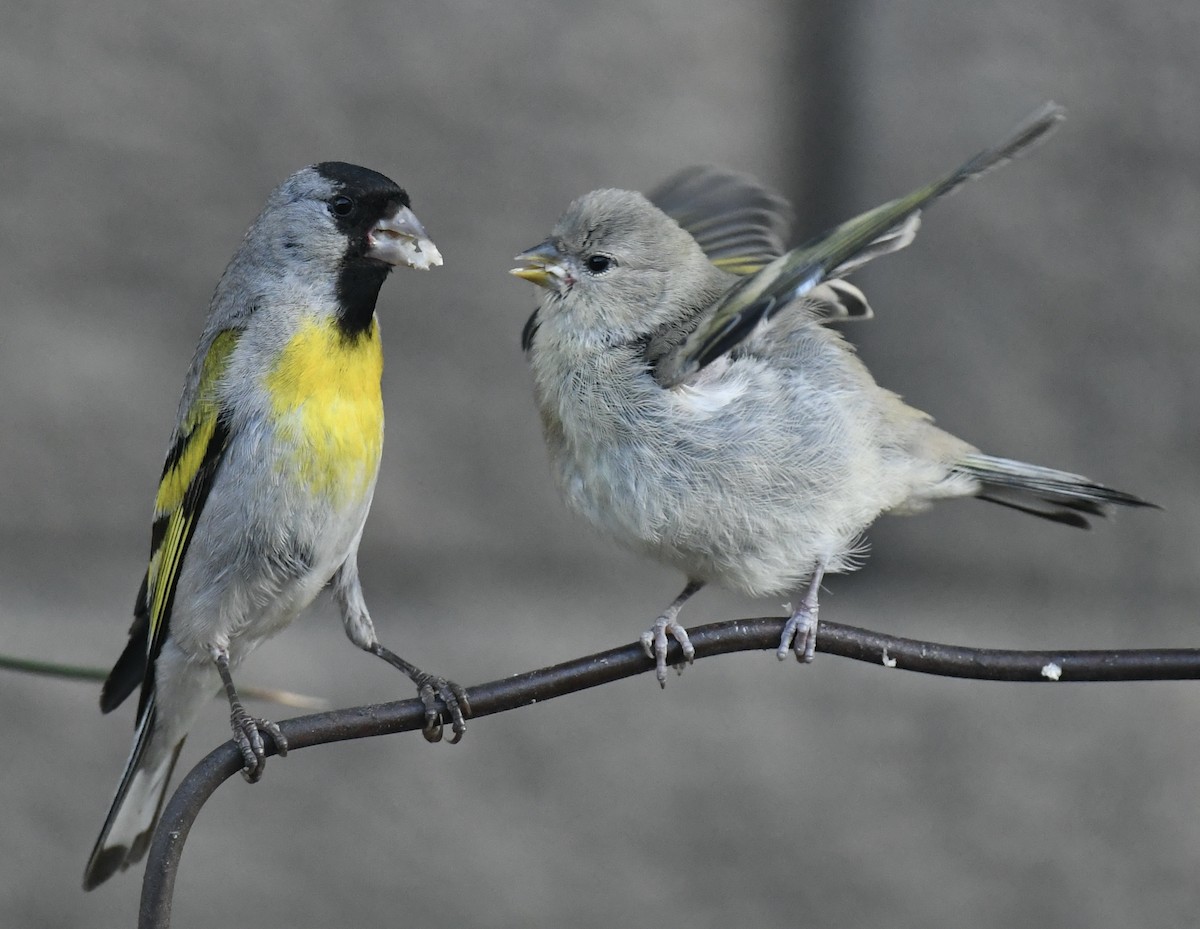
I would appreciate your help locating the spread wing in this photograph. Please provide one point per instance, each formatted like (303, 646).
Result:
(740, 225)
(841, 250)
(197, 450)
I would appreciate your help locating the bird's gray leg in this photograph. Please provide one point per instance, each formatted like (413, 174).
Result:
(800, 631)
(347, 591)
(246, 727)
(654, 641)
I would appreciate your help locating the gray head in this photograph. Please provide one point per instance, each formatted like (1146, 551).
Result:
(343, 212)
(332, 223)
(619, 268)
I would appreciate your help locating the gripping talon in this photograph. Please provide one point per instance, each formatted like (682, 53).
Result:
(277, 736)
(429, 689)
(648, 643)
(809, 652)
(799, 636)
(247, 735)
(654, 640)
(432, 731)
(800, 631)
(458, 707)
(656, 644)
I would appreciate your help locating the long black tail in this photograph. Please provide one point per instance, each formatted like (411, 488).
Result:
(1056, 495)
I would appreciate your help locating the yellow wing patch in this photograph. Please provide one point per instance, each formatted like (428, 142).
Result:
(325, 394)
(742, 264)
(196, 429)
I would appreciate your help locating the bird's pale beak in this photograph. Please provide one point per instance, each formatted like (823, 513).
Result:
(400, 239)
(542, 265)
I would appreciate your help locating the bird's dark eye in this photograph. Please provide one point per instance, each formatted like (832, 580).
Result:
(598, 264)
(342, 206)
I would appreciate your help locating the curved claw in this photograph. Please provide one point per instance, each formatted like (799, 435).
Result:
(656, 644)
(247, 734)
(799, 636)
(276, 734)
(430, 689)
(459, 706)
(255, 760)
(432, 727)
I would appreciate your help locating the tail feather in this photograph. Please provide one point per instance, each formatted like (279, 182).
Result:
(1051, 494)
(136, 807)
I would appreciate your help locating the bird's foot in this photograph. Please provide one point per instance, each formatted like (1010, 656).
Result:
(247, 733)
(655, 642)
(430, 688)
(800, 635)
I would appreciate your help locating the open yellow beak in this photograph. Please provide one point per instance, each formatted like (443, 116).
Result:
(542, 265)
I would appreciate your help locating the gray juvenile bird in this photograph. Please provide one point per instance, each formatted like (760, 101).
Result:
(697, 407)
(268, 478)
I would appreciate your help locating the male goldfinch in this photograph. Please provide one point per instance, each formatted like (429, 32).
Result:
(268, 478)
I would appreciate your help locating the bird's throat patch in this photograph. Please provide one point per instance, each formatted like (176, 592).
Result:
(326, 399)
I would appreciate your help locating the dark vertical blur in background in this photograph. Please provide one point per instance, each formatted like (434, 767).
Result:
(1048, 312)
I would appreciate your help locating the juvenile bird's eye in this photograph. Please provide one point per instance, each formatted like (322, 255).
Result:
(342, 206)
(598, 264)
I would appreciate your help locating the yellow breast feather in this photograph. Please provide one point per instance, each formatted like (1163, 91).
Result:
(326, 401)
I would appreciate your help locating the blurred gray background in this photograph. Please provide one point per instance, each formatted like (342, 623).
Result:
(1048, 312)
